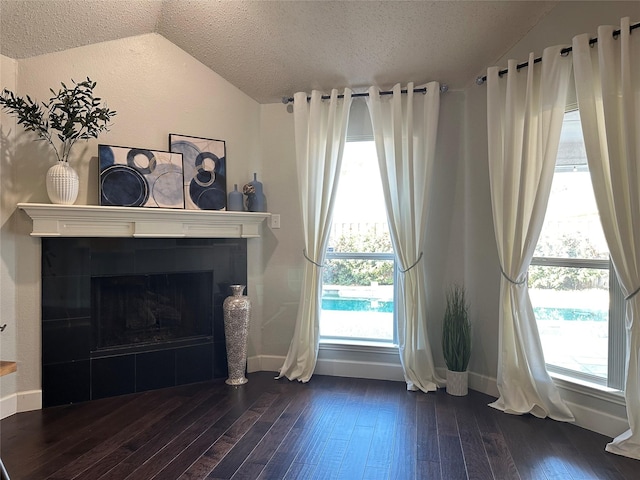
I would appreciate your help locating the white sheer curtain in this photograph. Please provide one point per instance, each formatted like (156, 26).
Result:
(404, 130)
(608, 89)
(524, 116)
(320, 134)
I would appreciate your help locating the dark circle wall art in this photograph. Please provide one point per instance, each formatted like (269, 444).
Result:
(137, 177)
(204, 169)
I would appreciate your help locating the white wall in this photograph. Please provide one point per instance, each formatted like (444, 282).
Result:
(156, 89)
(282, 247)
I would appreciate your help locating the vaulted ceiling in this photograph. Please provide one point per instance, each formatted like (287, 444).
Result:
(271, 49)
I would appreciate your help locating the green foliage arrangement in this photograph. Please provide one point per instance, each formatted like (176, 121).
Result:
(567, 278)
(358, 271)
(575, 245)
(71, 114)
(456, 330)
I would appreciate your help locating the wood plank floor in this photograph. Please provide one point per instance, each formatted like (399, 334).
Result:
(330, 428)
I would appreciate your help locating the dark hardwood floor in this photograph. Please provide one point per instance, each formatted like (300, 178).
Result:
(275, 429)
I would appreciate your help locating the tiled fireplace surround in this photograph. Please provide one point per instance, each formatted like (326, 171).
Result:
(73, 369)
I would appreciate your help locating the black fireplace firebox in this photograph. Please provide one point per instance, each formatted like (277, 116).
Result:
(124, 315)
(134, 312)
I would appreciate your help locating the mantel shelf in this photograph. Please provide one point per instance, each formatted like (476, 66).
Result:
(51, 220)
(7, 367)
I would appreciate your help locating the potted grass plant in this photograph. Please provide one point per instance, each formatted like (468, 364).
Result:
(73, 113)
(456, 340)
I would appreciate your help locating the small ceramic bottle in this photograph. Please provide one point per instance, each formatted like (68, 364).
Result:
(257, 202)
(235, 200)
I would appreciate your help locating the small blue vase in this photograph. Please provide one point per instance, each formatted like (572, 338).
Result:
(256, 202)
(235, 200)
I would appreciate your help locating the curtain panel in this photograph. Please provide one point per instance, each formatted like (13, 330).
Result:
(608, 91)
(320, 134)
(405, 127)
(525, 112)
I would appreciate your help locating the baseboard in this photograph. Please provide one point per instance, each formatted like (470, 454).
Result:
(604, 423)
(599, 421)
(20, 402)
(333, 367)
(594, 419)
(29, 400)
(484, 384)
(265, 363)
(8, 405)
(355, 369)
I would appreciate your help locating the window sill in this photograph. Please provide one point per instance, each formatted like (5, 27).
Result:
(583, 387)
(357, 346)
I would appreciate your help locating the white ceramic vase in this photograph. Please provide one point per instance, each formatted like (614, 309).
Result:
(62, 184)
(237, 312)
(457, 383)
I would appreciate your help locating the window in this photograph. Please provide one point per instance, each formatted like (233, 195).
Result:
(575, 295)
(358, 290)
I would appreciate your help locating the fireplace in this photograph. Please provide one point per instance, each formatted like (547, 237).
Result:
(124, 315)
(137, 311)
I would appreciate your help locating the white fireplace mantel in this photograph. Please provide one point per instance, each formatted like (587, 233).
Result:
(50, 220)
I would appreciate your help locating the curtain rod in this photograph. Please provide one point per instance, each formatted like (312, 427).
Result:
(565, 51)
(443, 88)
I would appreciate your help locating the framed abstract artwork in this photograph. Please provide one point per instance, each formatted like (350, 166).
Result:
(205, 171)
(137, 177)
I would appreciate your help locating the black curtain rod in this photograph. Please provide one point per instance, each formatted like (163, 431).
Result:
(564, 51)
(443, 89)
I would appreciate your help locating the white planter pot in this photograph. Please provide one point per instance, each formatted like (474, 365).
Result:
(62, 184)
(457, 383)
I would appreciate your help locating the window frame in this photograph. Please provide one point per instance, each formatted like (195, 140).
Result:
(382, 256)
(616, 348)
(615, 361)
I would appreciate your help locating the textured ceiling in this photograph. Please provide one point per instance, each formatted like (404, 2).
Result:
(271, 49)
